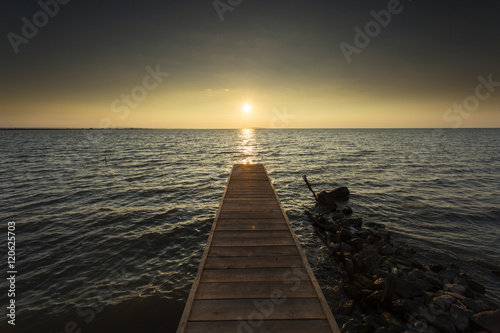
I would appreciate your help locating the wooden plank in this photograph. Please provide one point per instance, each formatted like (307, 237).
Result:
(251, 234)
(304, 308)
(253, 262)
(236, 290)
(254, 274)
(254, 325)
(252, 251)
(250, 226)
(266, 241)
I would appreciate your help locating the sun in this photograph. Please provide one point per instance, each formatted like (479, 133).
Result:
(247, 108)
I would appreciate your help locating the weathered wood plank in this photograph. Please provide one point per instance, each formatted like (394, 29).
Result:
(304, 308)
(236, 290)
(252, 251)
(250, 226)
(251, 234)
(266, 241)
(253, 262)
(254, 274)
(254, 325)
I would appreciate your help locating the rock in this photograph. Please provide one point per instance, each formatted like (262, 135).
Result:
(488, 320)
(371, 239)
(475, 305)
(352, 292)
(379, 284)
(449, 276)
(391, 283)
(385, 235)
(346, 307)
(477, 287)
(375, 225)
(344, 234)
(461, 324)
(383, 330)
(455, 288)
(458, 310)
(444, 302)
(407, 289)
(347, 211)
(423, 285)
(356, 243)
(418, 273)
(337, 217)
(388, 264)
(405, 305)
(405, 250)
(386, 319)
(444, 322)
(386, 250)
(375, 298)
(363, 281)
(346, 247)
(363, 233)
(349, 268)
(434, 281)
(363, 328)
(370, 259)
(436, 267)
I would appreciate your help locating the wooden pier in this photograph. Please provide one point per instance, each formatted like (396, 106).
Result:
(253, 276)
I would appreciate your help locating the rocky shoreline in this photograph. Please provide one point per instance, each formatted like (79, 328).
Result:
(381, 287)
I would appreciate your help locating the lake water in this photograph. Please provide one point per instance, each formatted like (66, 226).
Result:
(114, 245)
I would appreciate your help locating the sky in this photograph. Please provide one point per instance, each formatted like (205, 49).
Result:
(294, 63)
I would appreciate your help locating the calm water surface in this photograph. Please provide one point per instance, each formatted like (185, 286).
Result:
(115, 245)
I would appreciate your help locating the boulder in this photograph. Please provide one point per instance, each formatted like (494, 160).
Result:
(352, 292)
(386, 250)
(379, 284)
(330, 198)
(444, 302)
(488, 320)
(346, 307)
(370, 259)
(407, 289)
(477, 287)
(356, 222)
(444, 322)
(449, 276)
(363, 281)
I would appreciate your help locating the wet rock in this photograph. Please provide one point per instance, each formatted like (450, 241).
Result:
(383, 330)
(391, 283)
(385, 235)
(375, 225)
(461, 324)
(371, 239)
(386, 319)
(423, 285)
(418, 273)
(337, 217)
(455, 288)
(346, 307)
(356, 243)
(477, 287)
(344, 234)
(363, 328)
(436, 268)
(407, 289)
(449, 276)
(388, 264)
(363, 281)
(352, 292)
(475, 305)
(370, 259)
(386, 250)
(365, 233)
(375, 298)
(379, 284)
(488, 320)
(346, 247)
(347, 211)
(405, 305)
(444, 322)
(434, 281)
(404, 250)
(444, 302)
(349, 268)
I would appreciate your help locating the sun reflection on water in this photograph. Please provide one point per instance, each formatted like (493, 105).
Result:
(247, 146)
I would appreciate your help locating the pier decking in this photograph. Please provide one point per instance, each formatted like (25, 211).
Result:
(253, 276)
